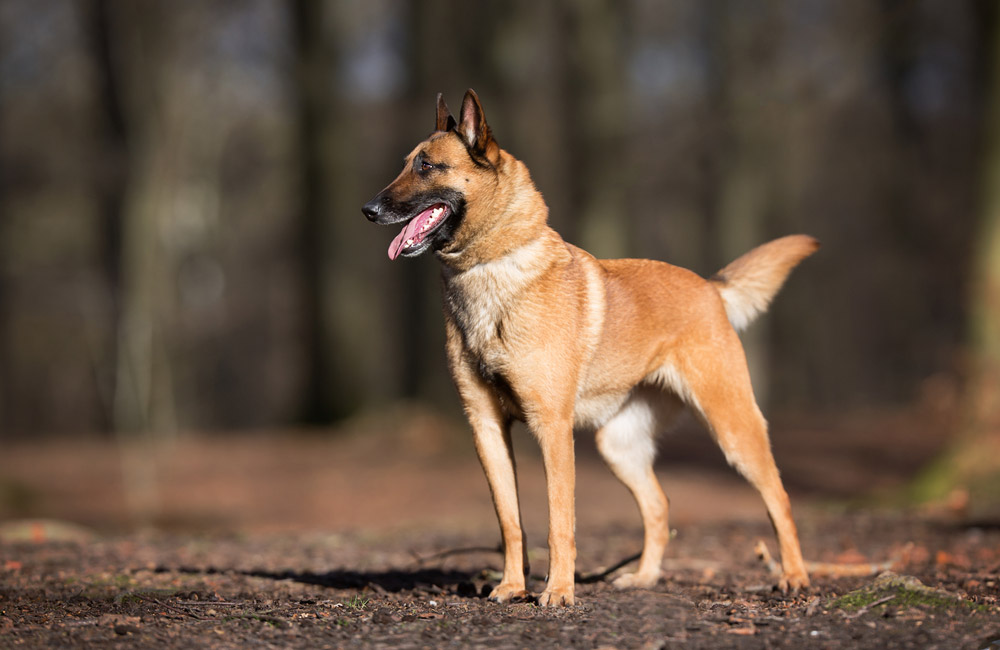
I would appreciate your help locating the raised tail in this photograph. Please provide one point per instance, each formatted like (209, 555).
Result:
(749, 283)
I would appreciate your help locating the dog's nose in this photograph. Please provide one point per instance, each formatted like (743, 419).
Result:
(373, 209)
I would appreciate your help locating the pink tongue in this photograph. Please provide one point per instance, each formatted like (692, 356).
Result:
(410, 231)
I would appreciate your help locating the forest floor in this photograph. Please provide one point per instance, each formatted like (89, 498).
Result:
(384, 536)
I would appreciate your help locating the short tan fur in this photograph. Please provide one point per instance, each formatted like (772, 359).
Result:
(541, 331)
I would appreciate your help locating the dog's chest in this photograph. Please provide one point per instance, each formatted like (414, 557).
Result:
(487, 302)
(480, 301)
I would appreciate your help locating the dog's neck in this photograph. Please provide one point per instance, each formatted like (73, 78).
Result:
(486, 272)
(513, 219)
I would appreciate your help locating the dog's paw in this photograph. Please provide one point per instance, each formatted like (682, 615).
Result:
(636, 581)
(506, 593)
(793, 582)
(557, 597)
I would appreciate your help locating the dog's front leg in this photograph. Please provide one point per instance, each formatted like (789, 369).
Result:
(496, 454)
(491, 429)
(556, 440)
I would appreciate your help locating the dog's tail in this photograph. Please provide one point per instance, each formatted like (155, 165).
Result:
(748, 283)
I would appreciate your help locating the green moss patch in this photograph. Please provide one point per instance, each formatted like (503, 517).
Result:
(892, 590)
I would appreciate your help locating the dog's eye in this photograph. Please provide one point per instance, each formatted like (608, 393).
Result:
(425, 166)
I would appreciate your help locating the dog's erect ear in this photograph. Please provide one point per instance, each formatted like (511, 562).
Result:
(475, 131)
(445, 122)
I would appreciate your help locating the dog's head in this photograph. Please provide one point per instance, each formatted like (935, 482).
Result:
(439, 178)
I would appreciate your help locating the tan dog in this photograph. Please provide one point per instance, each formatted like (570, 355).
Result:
(541, 331)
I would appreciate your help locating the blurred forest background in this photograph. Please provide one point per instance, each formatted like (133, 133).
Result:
(181, 182)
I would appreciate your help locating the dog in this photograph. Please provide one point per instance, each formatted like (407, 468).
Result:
(540, 331)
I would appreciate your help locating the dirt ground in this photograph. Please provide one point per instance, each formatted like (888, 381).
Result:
(383, 536)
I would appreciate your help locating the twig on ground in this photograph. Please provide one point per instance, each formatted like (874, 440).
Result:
(601, 575)
(764, 555)
(691, 564)
(157, 601)
(834, 569)
(421, 560)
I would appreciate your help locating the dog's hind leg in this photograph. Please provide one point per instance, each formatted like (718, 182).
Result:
(718, 387)
(749, 451)
(627, 444)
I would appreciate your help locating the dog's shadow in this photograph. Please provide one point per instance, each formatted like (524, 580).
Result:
(421, 578)
(390, 580)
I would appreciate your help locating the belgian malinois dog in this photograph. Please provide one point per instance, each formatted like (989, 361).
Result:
(541, 331)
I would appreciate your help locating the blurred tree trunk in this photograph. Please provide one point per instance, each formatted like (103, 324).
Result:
(972, 464)
(205, 331)
(142, 399)
(6, 376)
(595, 104)
(313, 61)
(370, 329)
(530, 52)
(744, 52)
(111, 172)
(171, 201)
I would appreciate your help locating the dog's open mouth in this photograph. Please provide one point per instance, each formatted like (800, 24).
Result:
(412, 240)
